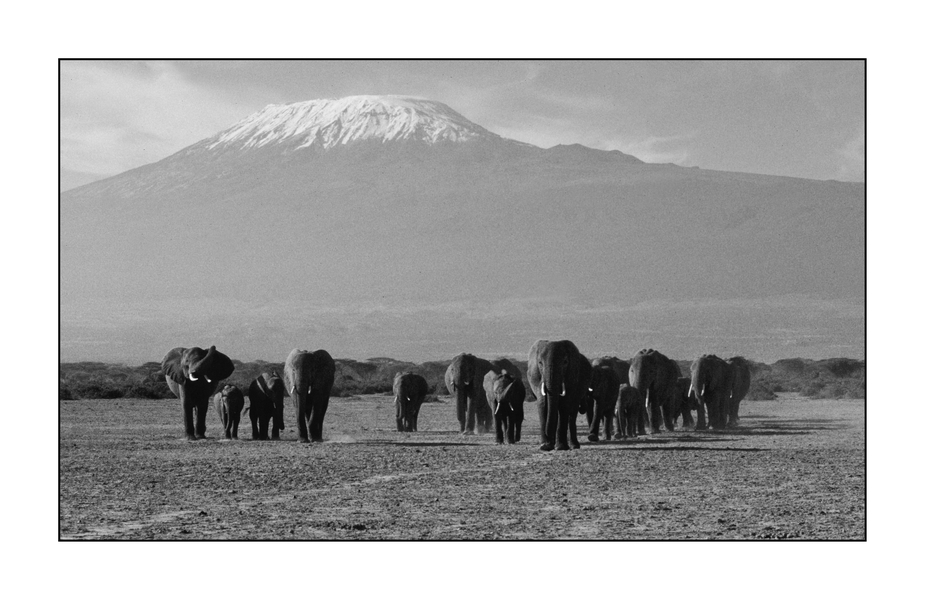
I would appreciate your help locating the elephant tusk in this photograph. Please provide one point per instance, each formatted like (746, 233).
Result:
(690, 392)
(292, 391)
(207, 379)
(193, 377)
(648, 392)
(543, 389)
(563, 389)
(309, 390)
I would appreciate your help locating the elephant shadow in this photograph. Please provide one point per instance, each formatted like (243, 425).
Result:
(693, 448)
(417, 444)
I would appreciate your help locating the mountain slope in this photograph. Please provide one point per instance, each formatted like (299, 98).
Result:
(405, 212)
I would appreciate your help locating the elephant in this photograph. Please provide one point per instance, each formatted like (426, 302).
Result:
(711, 384)
(685, 402)
(620, 367)
(559, 376)
(309, 377)
(602, 400)
(465, 377)
(193, 375)
(654, 376)
(410, 390)
(267, 394)
(741, 381)
(506, 394)
(228, 404)
(628, 408)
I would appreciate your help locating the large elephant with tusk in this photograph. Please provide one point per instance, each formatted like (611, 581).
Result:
(193, 375)
(559, 376)
(410, 390)
(506, 394)
(267, 395)
(655, 377)
(602, 400)
(464, 378)
(309, 377)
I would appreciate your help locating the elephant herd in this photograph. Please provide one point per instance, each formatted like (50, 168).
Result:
(193, 375)
(646, 391)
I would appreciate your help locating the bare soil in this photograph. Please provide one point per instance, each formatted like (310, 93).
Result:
(795, 469)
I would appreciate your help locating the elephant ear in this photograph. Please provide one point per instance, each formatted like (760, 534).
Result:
(222, 367)
(171, 365)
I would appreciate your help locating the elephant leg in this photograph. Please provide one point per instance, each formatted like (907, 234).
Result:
(546, 441)
(509, 428)
(461, 409)
(573, 431)
(301, 416)
(276, 429)
(641, 419)
(594, 422)
(499, 429)
(471, 410)
(654, 411)
(201, 411)
(734, 413)
(316, 423)
(686, 419)
(667, 417)
(518, 421)
(563, 421)
(608, 427)
(255, 425)
(187, 405)
(701, 417)
(234, 427)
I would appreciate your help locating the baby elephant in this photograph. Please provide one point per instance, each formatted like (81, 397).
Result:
(266, 394)
(628, 409)
(229, 403)
(409, 390)
(506, 395)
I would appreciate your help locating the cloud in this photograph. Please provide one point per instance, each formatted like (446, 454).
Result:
(850, 157)
(119, 115)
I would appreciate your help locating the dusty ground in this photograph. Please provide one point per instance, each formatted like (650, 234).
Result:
(794, 470)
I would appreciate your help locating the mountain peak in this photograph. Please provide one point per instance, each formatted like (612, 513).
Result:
(341, 121)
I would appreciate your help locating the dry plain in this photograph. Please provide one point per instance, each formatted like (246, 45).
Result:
(795, 469)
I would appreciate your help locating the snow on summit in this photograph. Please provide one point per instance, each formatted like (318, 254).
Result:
(344, 120)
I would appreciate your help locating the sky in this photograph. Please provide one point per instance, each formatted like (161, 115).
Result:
(791, 118)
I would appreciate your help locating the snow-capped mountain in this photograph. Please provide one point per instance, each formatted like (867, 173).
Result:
(328, 123)
(394, 226)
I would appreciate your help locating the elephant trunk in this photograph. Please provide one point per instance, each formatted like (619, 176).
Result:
(279, 414)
